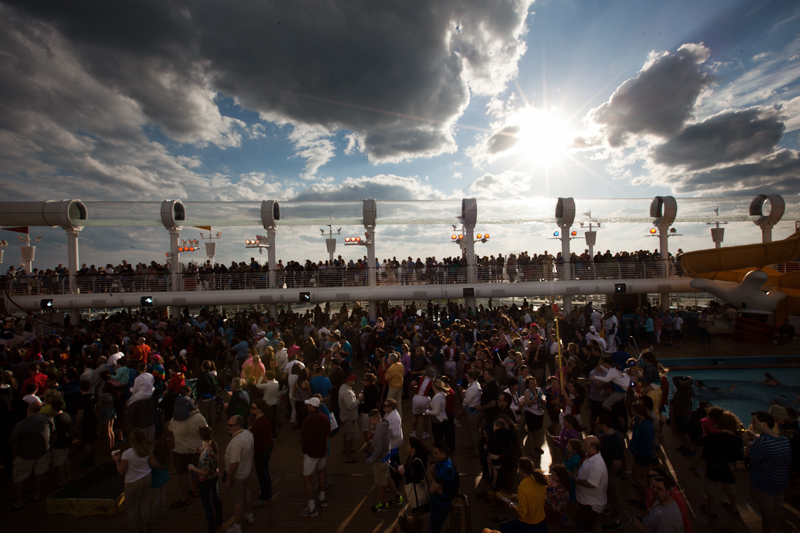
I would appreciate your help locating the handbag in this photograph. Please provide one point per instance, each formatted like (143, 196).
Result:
(419, 496)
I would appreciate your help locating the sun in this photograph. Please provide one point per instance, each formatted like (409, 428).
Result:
(543, 138)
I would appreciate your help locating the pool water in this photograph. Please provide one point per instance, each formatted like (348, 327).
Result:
(751, 395)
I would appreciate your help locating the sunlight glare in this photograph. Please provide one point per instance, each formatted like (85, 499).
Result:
(544, 138)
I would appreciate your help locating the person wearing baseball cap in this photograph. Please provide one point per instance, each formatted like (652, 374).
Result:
(771, 455)
(314, 441)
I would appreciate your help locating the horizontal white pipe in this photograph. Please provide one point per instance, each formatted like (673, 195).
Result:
(338, 294)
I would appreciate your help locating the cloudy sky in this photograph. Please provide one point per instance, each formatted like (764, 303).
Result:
(321, 100)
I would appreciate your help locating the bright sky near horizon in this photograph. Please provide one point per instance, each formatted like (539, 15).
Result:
(338, 100)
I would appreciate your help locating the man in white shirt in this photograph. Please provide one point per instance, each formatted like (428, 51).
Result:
(611, 331)
(593, 335)
(619, 381)
(238, 464)
(395, 423)
(115, 355)
(677, 331)
(271, 390)
(591, 481)
(596, 317)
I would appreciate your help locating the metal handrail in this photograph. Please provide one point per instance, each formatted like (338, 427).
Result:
(338, 277)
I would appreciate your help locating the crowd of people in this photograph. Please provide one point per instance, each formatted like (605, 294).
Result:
(515, 267)
(514, 384)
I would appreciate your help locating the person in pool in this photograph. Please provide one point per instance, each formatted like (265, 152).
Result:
(701, 388)
(769, 380)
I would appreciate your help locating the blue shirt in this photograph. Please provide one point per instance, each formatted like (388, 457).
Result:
(445, 475)
(320, 385)
(770, 457)
(240, 350)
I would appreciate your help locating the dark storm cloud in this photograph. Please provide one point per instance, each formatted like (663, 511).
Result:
(779, 172)
(658, 100)
(725, 138)
(503, 140)
(396, 73)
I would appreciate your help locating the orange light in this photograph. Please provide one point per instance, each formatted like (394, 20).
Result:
(454, 237)
(652, 230)
(480, 236)
(485, 235)
(347, 239)
(574, 233)
(460, 236)
(167, 254)
(358, 239)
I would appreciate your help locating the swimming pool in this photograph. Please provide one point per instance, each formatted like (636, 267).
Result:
(750, 395)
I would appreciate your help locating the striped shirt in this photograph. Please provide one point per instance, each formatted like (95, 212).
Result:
(771, 457)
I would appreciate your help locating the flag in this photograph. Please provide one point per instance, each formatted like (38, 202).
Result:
(22, 229)
(207, 228)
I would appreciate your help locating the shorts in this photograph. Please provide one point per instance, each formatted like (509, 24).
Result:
(350, 429)
(182, 462)
(380, 471)
(587, 517)
(23, 467)
(106, 415)
(312, 464)
(655, 395)
(88, 434)
(645, 460)
(58, 456)
(419, 404)
(682, 425)
(715, 488)
(237, 490)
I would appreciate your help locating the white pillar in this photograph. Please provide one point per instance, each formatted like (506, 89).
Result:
(567, 274)
(663, 237)
(175, 266)
(472, 274)
(73, 260)
(766, 233)
(372, 278)
(273, 274)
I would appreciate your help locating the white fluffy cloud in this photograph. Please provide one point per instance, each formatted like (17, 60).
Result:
(381, 187)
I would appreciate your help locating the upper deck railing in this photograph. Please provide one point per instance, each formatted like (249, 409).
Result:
(336, 277)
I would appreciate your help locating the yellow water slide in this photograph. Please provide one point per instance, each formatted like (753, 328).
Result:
(734, 262)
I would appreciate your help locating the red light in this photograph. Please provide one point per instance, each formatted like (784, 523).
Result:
(485, 235)
(167, 254)
(480, 236)
(454, 237)
(358, 239)
(574, 233)
(460, 236)
(347, 239)
(652, 230)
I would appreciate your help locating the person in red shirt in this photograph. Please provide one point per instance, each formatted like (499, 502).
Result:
(37, 378)
(261, 428)
(314, 443)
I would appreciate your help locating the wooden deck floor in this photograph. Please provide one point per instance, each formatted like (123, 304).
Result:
(352, 494)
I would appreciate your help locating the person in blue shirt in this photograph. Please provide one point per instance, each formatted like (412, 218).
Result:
(770, 454)
(443, 488)
(320, 384)
(641, 447)
(239, 349)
